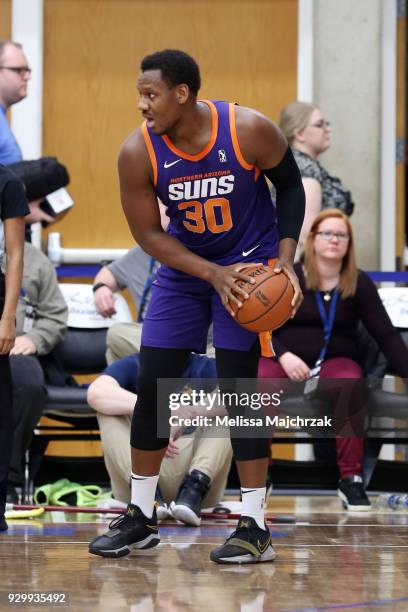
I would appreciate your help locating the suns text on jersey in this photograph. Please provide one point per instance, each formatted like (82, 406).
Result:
(205, 186)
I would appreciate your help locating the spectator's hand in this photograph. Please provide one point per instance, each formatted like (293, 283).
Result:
(23, 346)
(172, 450)
(224, 278)
(295, 368)
(182, 413)
(105, 301)
(7, 335)
(37, 214)
(287, 268)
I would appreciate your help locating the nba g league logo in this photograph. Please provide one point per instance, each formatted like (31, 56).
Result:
(222, 155)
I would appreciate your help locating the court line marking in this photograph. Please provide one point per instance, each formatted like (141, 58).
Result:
(340, 525)
(360, 604)
(276, 545)
(226, 524)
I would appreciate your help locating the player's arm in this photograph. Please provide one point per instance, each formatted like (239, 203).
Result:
(264, 145)
(14, 247)
(142, 212)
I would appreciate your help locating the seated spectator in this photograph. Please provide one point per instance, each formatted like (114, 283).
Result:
(333, 286)
(134, 271)
(195, 469)
(309, 135)
(41, 322)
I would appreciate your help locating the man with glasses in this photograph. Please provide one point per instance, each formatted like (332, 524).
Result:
(14, 76)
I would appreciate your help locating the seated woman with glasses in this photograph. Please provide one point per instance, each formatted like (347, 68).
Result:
(309, 135)
(337, 296)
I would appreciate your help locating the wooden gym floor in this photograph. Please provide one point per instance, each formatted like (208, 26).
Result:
(329, 560)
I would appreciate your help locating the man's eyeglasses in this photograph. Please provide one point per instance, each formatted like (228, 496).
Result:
(321, 124)
(340, 236)
(20, 70)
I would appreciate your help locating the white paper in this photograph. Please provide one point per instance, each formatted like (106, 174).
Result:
(59, 200)
(395, 300)
(81, 308)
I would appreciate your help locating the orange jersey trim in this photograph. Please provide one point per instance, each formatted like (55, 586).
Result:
(209, 146)
(265, 338)
(150, 150)
(235, 142)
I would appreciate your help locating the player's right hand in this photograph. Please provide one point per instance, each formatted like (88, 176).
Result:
(224, 280)
(104, 300)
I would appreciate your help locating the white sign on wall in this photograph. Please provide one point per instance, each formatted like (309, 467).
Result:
(395, 300)
(81, 308)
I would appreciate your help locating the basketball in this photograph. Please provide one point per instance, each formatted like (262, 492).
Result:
(269, 303)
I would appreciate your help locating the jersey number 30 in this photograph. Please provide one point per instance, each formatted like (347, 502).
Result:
(202, 216)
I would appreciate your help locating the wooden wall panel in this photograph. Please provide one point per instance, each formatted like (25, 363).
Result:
(5, 19)
(246, 50)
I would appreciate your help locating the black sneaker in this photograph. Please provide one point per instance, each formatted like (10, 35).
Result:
(3, 522)
(247, 544)
(187, 505)
(12, 494)
(351, 492)
(131, 530)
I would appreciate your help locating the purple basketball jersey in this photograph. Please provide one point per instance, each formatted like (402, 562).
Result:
(221, 209)
(219, 205)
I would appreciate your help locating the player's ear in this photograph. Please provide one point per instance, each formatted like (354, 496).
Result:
(183, 92)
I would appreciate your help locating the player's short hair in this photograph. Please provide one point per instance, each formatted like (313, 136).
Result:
(176, 67)
(4, 43)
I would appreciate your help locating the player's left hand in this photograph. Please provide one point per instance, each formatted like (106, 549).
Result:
(225, 280)
(286, 267)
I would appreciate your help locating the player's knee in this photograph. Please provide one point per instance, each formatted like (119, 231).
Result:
(245, 449)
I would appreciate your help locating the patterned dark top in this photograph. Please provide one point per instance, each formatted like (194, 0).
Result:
(334, 195)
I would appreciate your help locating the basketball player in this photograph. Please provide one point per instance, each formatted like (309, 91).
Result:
(206, 162)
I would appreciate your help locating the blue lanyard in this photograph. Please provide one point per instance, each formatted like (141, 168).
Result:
(327, 320)
(146, 290)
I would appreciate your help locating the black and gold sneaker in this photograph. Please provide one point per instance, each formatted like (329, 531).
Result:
(132, 530)
(247, 544)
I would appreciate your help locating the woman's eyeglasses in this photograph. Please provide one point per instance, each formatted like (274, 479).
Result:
(329, 236)
(321, 124)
